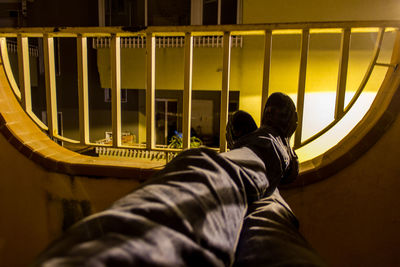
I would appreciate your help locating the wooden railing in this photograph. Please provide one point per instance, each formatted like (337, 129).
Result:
(186, 36)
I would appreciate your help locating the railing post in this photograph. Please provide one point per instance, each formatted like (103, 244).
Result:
(7, 67)
(24, 72)
(266, 70)
(50, 78)
(225, 90)
(302, 85)
(116, 89)
(370, 68)
(187, 90)
(81, 44)
(342, 77)
(150, 89)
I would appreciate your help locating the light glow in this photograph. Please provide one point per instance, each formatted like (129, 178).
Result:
(319, 112)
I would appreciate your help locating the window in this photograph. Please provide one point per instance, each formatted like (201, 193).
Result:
(107, 95)
(206, 107)
(221, 12)
(168, 12)
(210, 12)
(136, 13)
(121, 12)
(166, 120)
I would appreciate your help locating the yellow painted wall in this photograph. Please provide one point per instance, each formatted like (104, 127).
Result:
(207, 68)
(261, 11)
(31, 201)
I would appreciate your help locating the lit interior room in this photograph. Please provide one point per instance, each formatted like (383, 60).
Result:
(98, 96)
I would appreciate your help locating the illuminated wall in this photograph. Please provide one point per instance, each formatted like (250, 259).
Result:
(261, 11)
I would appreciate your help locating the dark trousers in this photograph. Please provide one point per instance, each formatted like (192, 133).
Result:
(193, 213)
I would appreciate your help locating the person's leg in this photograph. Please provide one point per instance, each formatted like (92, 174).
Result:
(239, 124)
(189, 214)
(270, 237)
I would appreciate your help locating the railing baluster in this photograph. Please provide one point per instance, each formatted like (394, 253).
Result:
(342, 78)
(302, 85)
(358, 92)
(24, 73)
(116, 89)
(7, 67)
(50, 78)
(266, 70)
(370, 68)
(150, 89)
(187, 90)
(81, 44)
(225, 90)
(385, 65)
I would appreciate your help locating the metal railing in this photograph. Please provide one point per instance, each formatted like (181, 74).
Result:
(185, 35)
(167, 42)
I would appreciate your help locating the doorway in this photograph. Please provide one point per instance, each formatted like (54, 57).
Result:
(166, 120)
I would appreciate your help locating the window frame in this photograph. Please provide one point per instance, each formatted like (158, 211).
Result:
(196, 12)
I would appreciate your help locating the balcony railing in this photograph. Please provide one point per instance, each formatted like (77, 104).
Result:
(167, 42)
(182, 36)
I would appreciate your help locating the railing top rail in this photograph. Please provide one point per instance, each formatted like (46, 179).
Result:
(241, 29)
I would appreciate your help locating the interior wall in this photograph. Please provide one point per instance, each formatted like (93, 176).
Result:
(37, 205)
(353, 218)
